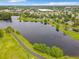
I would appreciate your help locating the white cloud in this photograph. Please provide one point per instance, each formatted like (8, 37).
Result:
(59, 3)
(16, 0)
(12, 1)
(63, 3)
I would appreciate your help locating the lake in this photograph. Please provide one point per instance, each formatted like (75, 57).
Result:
(40, 33)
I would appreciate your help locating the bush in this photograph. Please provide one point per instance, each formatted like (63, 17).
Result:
(9, 29)
(5, 16)
(41, 47)
(1, 33)
(17, 32)
(56, 52)
(76, 30)
(57, 27)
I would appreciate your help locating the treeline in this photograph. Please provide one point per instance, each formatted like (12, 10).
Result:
(52, 51)
(5, 16)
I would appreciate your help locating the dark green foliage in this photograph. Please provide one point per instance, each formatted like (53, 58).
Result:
(41, 47)
(57, 27)
(5, 16)
(54, 51)
(75, 29)
(45, 21)
(9, 29)
(1, 33)
(17, 32)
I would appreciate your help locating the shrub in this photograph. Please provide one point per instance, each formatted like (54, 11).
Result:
(1, 33)
(56, 52)
(9, 29)
(57, 27)
(17, 32)
(41, 47)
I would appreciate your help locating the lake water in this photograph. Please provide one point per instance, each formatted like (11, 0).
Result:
(40, 33)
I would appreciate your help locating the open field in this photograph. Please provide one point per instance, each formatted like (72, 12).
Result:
(10, 49)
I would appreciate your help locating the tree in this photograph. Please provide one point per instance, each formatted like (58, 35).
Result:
(57, 27)
(9, 29)
(56, 52)
(75, 19)
(1, 33)
(45, 21)
(5, 16)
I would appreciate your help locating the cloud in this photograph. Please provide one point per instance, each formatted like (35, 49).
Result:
(59, 3)
(17, 0)
(13, 0)
(63, 3)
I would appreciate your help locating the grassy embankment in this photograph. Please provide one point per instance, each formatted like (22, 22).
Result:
(10, 49)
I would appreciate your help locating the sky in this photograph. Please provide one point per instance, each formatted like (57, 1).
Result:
(39, 2)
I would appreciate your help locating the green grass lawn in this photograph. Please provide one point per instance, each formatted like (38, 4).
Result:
(72, 34)
(10, 49)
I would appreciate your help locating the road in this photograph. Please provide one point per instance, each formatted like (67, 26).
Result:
(26, 48)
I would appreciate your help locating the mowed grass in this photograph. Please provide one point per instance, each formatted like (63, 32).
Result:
(10, 49)
(72, 34)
